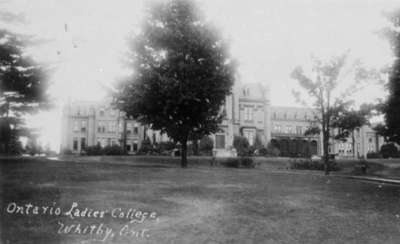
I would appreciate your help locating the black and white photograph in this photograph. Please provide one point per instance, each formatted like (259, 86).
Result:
(199, 121)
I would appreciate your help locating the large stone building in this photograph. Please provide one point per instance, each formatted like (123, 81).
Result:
(90, 123)
(248, 113)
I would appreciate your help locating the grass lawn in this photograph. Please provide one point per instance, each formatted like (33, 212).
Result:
(194, 205)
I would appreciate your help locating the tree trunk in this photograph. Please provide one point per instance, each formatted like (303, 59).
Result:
(326, 151)
(353, 143)
(195, 144)
(124, 135)
(7, 129)
(184, 154)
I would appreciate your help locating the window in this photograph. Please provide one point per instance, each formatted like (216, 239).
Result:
(83, 143)
(274, 115)
(102, 112)
(220, 141)
(128, 128)
(135, 146)
(299, 130)
(277, 128)
(76, 125)
(128, 147)
(136, 129)
(83, 126)
(285, 116)
(249, 134)
(75, 144)
(246, 92)
(112, 126)
(101, 128)
(248, 113)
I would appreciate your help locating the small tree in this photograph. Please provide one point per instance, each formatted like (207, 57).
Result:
(321, 86)
(382, 130)
(182, 74)
(258, 143)
(206, 144)
(389, 151)
(347, 122)
(242, 146)
(146, 146)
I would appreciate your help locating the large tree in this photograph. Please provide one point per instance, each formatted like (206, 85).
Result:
(22, 87)
(182, 74)
(324, 87)
(392, 108)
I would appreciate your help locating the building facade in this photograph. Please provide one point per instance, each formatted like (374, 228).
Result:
(248, 113)
(88, 123)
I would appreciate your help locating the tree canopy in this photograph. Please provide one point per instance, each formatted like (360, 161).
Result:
(23, 86)
(321, 86)
(182, 73)
(392, 108)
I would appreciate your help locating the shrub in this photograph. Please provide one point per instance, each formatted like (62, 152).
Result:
(258, 143)
(307, 164)
(247, 162)
(274, 152)
(269, 151)
(236, 162)
(94, 150)
(163, 147)
(146, 147)
(263, 151)
(113, 150)
(229, 162)
(374, 155)
(389, 151)
(242, 146)
(67, 151)
(206, 144)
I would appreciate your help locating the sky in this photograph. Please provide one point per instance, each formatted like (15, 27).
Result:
(84, 42)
